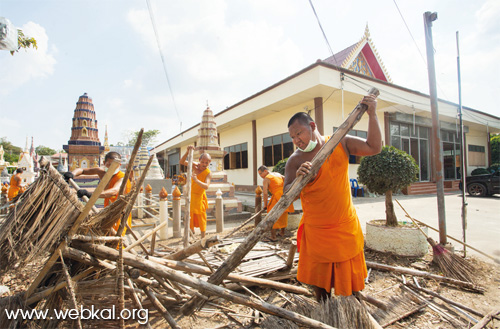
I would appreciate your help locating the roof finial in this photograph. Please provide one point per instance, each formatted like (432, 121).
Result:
(367, 31)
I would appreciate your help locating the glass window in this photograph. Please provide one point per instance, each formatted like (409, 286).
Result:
(277, 148)
(405, 130)
(395, 129)
(236, 156)
(424, 132)
(396, 142)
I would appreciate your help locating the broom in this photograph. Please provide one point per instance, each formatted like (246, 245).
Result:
(450, 264)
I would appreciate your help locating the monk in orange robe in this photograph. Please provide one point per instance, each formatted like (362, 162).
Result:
(273, 183)
(200, 181)
(15, 184)
(330, 239)
(110, 193)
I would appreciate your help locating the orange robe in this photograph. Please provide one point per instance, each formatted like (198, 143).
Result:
(199, 203)
(330, 239)
(107, 201)
(276, 189)
(14, 188)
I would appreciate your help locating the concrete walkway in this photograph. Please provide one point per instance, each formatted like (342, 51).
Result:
(483, 217)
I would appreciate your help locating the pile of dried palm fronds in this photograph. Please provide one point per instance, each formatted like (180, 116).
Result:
(39, 220)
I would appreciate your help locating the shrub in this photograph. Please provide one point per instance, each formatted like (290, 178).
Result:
(388, 171)
(494, 167)
(480, 171)
(280, 166)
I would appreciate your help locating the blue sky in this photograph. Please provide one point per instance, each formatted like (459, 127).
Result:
(221, 52)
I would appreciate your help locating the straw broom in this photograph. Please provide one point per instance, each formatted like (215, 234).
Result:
(450, 264)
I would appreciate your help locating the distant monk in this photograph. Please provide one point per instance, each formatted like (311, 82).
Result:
(15, 184)
(200, 181)
(330, 236)
(110, 193)
(273, 182)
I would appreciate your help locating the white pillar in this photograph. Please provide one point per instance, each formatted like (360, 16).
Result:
(176, 212)
(164, 218)
(219, 212)
(140, 203)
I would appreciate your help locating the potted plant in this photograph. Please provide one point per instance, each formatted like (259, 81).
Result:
(390, 171)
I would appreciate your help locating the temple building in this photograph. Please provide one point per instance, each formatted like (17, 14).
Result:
(84, 148)
(254, 132)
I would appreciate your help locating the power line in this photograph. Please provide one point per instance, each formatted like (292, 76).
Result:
(322, 31)
(163, 60)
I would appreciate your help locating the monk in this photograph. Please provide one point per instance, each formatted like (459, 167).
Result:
(329, 237)
(273, 183)
(15, 184)
(200, 181)
(110, 193)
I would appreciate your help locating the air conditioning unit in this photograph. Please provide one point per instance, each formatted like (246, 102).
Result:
(8, 35)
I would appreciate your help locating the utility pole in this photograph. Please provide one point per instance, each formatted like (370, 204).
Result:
(437, 150)
(463, 168)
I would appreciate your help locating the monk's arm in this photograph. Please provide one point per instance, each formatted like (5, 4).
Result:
(373, 143)
(88, 171)
(294, 167)
(183, 161)
(265, 193)
(108, 193)
(204, 184)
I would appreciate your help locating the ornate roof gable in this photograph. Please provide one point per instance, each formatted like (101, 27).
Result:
(362, 57)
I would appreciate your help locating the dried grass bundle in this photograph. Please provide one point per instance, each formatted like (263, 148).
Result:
(338, 311)
(39, 220)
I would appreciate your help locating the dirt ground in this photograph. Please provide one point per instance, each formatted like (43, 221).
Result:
(381, 285)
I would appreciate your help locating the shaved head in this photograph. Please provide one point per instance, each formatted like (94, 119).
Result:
(205, 156)
(302, 117)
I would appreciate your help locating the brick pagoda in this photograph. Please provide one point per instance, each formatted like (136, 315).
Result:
(84, 147)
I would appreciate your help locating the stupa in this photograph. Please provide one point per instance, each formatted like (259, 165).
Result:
(140, 161)
(155, 171)
(84, 146)
(26, 164)
(208, 142)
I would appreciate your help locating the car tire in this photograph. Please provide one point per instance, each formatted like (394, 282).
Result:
(476, 189)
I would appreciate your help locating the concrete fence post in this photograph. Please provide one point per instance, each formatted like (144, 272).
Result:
(219, 212)
(149, 197)
(163, 213)
(176, 212)
(140, 203)
(258, 204)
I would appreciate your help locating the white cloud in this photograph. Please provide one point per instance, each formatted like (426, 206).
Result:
(30, 64)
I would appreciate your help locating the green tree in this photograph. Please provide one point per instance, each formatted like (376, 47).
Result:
(11, 152)
(148, 137)
(495, 148)
(24, 42)
(280, 166)
(44, 150)
(386, 172)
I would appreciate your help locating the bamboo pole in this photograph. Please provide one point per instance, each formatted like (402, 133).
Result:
(404, 270)
(203, 286)
(137, 242)
(196, 247)
(70, 288)
(187, 195)
(145, 236)
(162, 310)
(487, 318)
(242, 225)
(48, 265)
(130, 164)
(288, 197)
(120, 282)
